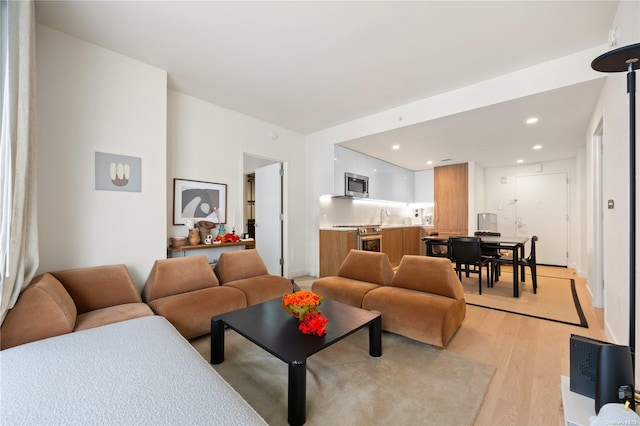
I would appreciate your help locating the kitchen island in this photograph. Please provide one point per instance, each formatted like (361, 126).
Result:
(397, 240)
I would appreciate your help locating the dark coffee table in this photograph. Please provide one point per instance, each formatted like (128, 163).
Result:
(269, 326)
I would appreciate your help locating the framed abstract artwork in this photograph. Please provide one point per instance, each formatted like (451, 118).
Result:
(195, 200)
(118, 172)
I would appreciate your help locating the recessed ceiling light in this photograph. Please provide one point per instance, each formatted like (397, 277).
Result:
(429, 162)
(532, 120)
(537, 147)
(396, 147)
(520, 161)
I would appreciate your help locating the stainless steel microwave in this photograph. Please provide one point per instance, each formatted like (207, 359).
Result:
(356, 185)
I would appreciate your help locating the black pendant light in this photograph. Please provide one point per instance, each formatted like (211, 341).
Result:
(627, 59)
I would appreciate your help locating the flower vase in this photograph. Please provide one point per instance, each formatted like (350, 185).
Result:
(194, 237)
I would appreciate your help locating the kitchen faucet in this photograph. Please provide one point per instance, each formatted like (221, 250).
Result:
(384, 214)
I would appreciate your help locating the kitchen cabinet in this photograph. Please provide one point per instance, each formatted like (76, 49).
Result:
(423, 184)
(386, 181)
(334, 247)
(393, 244)
(412, 240)
(344, 160)
(451, 199)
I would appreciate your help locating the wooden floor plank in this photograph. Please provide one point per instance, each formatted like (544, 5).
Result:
(529, 354)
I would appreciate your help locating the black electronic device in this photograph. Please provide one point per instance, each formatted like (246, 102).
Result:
(614, 376)
(583, 359)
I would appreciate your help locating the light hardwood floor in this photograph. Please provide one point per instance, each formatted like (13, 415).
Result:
(529, 355)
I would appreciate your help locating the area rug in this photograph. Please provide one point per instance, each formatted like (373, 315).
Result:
(412, 383)
(556, 298)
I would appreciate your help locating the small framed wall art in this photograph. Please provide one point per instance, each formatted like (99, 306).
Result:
(118, 172)
(197, 200)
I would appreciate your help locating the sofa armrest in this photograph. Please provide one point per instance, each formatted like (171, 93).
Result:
(43, 309)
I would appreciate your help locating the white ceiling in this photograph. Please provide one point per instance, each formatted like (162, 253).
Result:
(307, 66)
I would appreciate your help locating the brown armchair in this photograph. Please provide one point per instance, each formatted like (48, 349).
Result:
(186, 292)
(425, 300)
(70, 300)
(244, 270)
(360, 272)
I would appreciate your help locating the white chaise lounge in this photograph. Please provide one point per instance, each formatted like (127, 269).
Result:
(135, 372)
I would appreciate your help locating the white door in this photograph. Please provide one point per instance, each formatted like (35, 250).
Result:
(542, 210)
(268, 216)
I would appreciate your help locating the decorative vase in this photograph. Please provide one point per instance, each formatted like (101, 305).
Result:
(194, 237)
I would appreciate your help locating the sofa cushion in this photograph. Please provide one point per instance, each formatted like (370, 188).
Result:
(262, 288)
(178, 275)
(428, 318)
(99, 286)
(368, 266)
(240, 264)
(344, 290)
(428, 274)
(190, 313)
(43, 309)
(111, 315)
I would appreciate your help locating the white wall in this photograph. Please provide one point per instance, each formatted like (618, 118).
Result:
(207, 142)
(90, 99)
(612, 109)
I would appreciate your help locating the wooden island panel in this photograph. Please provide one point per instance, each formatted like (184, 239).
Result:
(412, 240)
(334, 247)
(393, 244)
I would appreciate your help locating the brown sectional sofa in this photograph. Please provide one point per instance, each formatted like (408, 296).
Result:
(72, 300)
(422, 300)
(186, 291)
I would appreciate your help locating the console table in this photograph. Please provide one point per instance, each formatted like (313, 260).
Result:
(211, 251)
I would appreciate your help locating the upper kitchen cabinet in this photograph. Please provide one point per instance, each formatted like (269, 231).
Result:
(450, 190)
(423, 192)
(387, 181)
(344, 160)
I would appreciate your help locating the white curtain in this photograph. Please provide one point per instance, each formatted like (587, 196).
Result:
(18, 219)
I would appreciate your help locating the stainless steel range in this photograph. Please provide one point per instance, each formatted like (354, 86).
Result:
(369, 236)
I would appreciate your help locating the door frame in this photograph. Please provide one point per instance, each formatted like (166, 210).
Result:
(284, 200)
(597, 273)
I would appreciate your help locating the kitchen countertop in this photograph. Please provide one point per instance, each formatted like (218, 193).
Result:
(353, 228)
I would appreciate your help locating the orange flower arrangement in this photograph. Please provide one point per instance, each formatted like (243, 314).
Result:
(303, 305)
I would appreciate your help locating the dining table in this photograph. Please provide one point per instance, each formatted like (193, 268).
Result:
(515, 244)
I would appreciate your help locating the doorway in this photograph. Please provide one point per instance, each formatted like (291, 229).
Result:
(265, 209)
(542, 210)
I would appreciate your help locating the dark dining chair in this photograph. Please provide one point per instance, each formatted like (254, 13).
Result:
(437, 248)
(466, 252)
(490, 252)
(522, 262)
